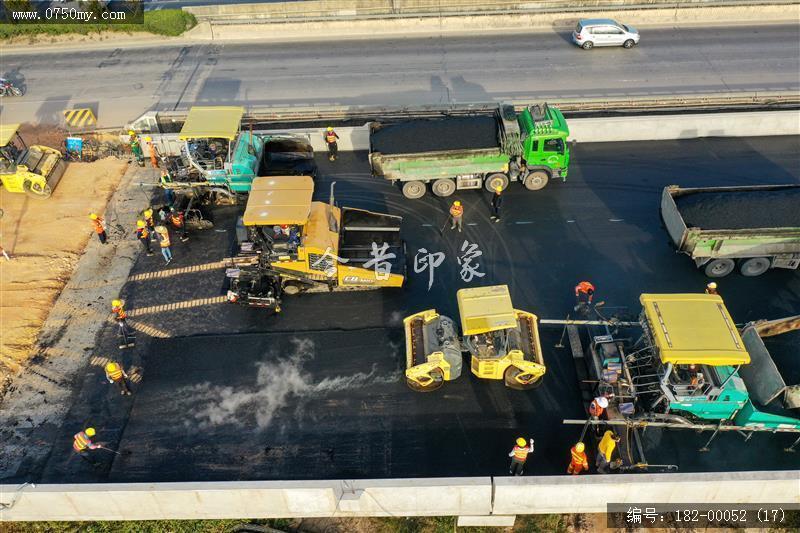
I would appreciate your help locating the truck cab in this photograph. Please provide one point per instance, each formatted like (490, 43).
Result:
(545, 147)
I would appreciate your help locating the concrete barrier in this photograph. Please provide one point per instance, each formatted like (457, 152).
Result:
(500, 498)
(685, 126)
(256, 499)
(603, 129)
(591, 494)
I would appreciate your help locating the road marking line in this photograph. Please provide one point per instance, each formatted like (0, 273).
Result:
(157, 274)
(524, 222)
(616, 219)
(570, 221)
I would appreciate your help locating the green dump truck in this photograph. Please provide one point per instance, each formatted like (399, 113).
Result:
(755, 227)
(473, 151)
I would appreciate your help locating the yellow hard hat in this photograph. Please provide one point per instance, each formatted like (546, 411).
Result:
(148, 139)
(580, 447)
(712, 285)
(140, 224)
(93, 216)
(521, 442)
(111, 366)
(330, 128)
(116, 303)
(148, 213)
(131, 132)
(498, 189)
(456, 203)
(90, 432)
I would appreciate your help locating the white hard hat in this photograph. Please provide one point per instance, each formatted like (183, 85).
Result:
(602, 401)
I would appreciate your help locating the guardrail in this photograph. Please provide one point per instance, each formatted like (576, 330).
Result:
(572, 107)
(328, 10)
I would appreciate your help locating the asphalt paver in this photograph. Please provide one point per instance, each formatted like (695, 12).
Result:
(226, 392)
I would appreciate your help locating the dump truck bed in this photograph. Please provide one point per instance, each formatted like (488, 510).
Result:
(435, 135)
(750, 221)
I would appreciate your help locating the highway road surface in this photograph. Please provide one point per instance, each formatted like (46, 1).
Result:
(122, 83)
(316, 392)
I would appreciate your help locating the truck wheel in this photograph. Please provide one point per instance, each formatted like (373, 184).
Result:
(443, 187)
(496, 180)
(719, 268)
(413, 189)
(755, 266)
(588, 45)
(36, 190)
(536, 180)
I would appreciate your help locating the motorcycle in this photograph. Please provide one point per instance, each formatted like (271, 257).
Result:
(9, 89)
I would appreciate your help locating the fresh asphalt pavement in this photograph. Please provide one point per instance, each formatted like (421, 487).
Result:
(121, 83)
(232, 393)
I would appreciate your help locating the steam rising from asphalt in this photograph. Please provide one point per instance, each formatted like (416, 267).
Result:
(276, 382)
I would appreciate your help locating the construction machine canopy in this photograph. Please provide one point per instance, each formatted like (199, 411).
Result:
(693, 329)
(277, 200)
(485, 309)
(7, 132)
(212, 123)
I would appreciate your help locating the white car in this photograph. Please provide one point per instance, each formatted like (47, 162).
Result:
(604, 32)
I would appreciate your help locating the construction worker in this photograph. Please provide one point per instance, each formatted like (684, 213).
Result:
(147, 214)
(136, 148)
(578, 462)
(163, 238)
(598, 407)
(605, 450)
(115, 374)
(121, 316)
(584, 292)
(82, 444)
(519, 454)
(99, 227)
(143, 234)
(333, 147)
(711, 288)
(153, 152)
(497, 202)
(456, 215)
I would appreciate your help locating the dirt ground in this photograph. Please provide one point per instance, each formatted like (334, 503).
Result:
(45, 239)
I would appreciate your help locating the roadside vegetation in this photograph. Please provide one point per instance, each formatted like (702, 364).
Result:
(168, 22)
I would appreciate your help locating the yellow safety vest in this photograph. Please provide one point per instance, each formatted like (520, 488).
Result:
(521, 454)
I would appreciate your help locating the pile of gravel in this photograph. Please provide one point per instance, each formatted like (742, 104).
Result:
(741, 209)
(435, 135)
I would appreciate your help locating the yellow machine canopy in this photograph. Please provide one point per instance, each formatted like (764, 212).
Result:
(277, 200)
(7, 132)
(485, 309)
(212, 123)
(693, 329)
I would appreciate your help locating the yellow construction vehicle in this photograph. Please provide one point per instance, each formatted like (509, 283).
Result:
(289, 244)
(503, 342)
(34, 170)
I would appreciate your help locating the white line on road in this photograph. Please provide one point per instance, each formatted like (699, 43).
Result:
(524, 222)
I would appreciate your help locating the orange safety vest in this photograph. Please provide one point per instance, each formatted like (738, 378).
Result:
(81, 442)
(98, 225)
(579, 458)
(142, 233)
(330, 137)
(584, 287)
(456, 210)
(521, 454)
(595, 409)
(119, 313)
(116, 375)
